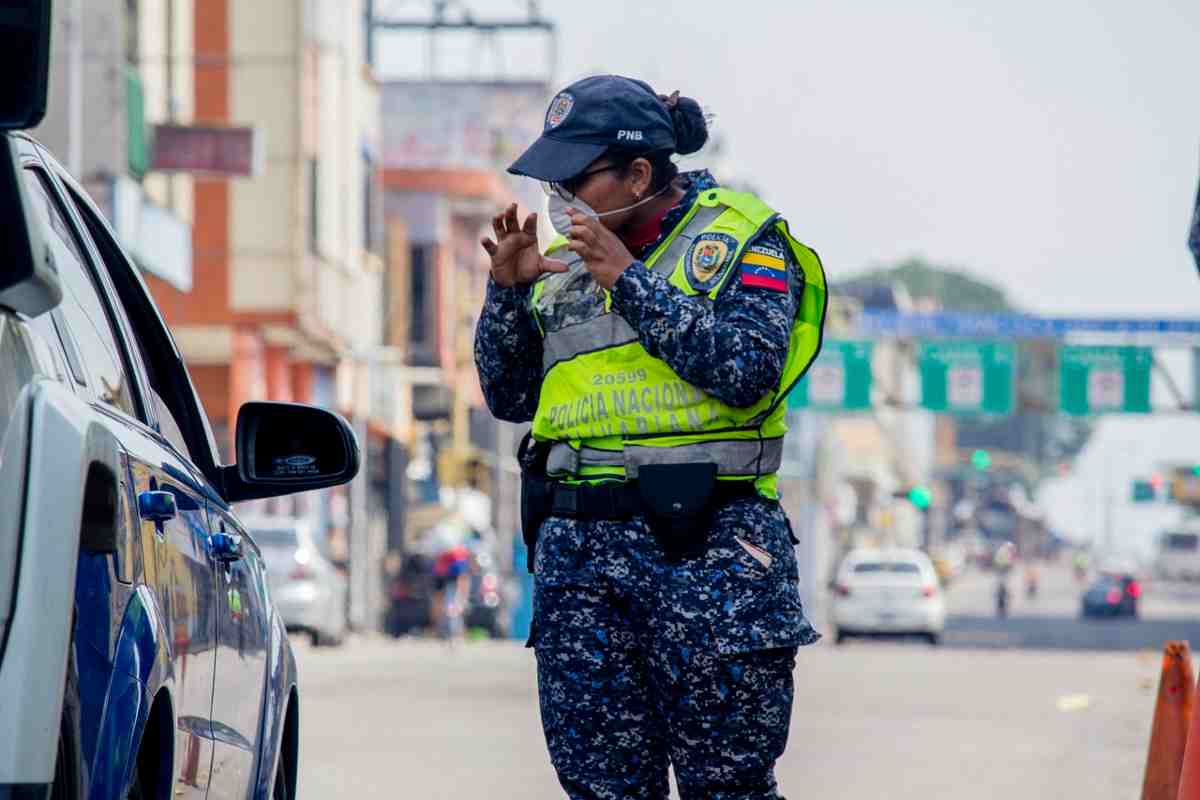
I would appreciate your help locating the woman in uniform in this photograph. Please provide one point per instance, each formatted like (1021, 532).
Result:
(652, 346)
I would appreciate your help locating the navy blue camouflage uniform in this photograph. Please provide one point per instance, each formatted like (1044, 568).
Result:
(645, 660)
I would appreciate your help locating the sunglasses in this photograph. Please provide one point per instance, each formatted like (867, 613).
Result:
(569, 189)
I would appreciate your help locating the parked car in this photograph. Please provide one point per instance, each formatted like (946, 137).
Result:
(141, 652)
(309, 591)
(1112, 594)
(890, 592)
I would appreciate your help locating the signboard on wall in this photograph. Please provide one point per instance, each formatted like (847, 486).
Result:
(207, 150)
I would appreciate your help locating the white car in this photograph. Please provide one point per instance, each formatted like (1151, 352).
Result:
(309, 591)
(888, 592)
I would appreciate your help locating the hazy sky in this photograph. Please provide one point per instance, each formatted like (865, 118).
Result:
(1053, 147)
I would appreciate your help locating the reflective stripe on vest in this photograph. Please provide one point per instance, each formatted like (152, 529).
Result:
(608, 407)
(611, 330)
(733, 457)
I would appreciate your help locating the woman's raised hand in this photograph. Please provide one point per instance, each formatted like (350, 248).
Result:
(514, 253)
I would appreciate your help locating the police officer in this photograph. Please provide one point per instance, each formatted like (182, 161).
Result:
(653, 346)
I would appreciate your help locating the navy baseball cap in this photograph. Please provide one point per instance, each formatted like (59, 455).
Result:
(589, 117)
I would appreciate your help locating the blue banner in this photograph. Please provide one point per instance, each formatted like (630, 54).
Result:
(955, 324)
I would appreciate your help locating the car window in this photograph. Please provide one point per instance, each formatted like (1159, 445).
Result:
(1185, 542)
(169, 395)
(82, 308)
(894, 567)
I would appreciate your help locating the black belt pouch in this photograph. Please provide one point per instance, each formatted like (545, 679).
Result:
(678, 501)
(535, 493)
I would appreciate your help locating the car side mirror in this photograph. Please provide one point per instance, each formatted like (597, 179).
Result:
(29, 281)
(24, 63)
(283, 448)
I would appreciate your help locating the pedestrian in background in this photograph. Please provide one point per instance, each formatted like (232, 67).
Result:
(653, 347)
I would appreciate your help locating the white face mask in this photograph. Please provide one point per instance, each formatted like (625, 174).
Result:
(561, 220)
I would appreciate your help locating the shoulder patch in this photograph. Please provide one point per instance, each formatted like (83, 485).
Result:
(765, 267)
(767, 250)
(707, 258)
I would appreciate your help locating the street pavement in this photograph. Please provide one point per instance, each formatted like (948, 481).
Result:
(414, 718)
(1051, 620)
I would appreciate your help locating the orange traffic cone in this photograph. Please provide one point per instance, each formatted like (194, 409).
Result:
(1172, 715)
(1189, 780)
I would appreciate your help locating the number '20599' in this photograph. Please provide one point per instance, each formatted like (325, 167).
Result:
(619, 378)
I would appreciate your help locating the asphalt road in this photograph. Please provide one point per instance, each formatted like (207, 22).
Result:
(384, 719)
(1051, 620)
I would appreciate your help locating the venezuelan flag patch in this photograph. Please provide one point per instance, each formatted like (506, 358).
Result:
(764, 268)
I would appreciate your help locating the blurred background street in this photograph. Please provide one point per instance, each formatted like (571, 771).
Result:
(414, 717)
(1007, 394)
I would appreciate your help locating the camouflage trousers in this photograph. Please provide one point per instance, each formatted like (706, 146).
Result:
(645, 662)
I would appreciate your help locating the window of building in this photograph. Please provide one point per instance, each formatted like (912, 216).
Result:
(372, 222)
(314, 206)
(82, 308)
(419, 322)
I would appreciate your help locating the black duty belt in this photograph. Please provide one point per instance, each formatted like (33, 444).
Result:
(623, 500)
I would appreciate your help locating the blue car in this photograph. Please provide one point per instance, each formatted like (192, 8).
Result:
(141, 655)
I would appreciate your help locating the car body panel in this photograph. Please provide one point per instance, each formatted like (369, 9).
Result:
(39, 628)
(243, 628)
(151, 621)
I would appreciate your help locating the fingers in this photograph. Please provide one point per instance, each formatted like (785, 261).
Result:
(530, 226)
(498, 225)
(582, 220)
(582, 249)
(511, 225)
(551, 265)
(489, 246)
(581, 233)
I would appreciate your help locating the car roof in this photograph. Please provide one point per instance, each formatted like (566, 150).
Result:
(886, 554)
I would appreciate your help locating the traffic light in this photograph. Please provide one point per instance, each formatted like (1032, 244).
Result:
(981, 460)
(920, 496)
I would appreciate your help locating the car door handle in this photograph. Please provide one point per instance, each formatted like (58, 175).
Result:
(225, 547)
(156, 506)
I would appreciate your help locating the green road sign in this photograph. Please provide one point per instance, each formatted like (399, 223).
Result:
(839, 380)
(967, 377)
(1143, 492)
(1097, 380)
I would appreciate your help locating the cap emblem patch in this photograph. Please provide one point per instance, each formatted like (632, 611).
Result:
(560, 107)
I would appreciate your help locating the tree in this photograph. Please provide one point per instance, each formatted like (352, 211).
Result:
(953, 289)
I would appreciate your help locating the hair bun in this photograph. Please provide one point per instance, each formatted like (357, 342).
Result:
(691, 126)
